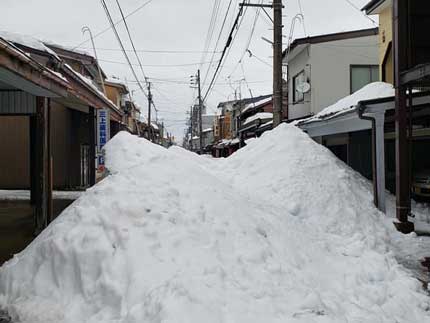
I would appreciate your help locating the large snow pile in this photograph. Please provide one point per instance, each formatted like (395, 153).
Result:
(280, 232)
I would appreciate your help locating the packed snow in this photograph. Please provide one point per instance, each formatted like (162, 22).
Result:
(281, 231)
(371, 91)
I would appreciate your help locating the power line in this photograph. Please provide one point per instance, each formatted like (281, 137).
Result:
(217, 42)
(212, 24)
(131, 39)
(153, 65)
(254, 25)
(121, 45)
(114, 24)
(226, 47)
(358, 9)
(159, 51)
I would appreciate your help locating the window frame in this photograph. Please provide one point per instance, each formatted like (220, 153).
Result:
(369, 66)
(294, 87)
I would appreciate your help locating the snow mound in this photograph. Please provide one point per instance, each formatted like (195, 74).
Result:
(280, 232)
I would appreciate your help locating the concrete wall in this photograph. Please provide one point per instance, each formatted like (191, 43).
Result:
(330, 68)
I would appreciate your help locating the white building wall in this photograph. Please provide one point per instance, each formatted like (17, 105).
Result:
(297, 64)
(330, 68)
(327, 69)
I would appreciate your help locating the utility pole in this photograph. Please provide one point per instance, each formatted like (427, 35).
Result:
(277, 56)
(195, 80)
(277, 62)
(149, 112)
(192, 127)
(200, 113)
(403, 182)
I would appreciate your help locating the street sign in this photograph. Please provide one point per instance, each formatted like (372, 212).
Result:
(103, 134)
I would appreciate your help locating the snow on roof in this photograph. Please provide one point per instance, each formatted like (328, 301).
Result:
(256, 104)
(115, 81)
(154, 125)
(208, 130)
(90, 82)
(27, 41)
(260, 115)
(68, 48)
(371, 91)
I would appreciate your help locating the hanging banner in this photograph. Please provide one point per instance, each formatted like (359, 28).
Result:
(103, 135)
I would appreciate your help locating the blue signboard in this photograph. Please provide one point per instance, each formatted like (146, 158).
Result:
(103, 133)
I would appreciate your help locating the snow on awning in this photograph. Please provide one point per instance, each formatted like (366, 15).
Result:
(208, 130)
(371, 91)
(261, 116)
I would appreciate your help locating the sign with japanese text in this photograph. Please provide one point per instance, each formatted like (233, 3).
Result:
(103, 134)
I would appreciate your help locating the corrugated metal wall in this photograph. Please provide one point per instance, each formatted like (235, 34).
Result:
(17, 102)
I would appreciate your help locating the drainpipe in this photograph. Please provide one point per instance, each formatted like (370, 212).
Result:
(378, 154)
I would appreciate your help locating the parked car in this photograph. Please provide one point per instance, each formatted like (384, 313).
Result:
(421, 184)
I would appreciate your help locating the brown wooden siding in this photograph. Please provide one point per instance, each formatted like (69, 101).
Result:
(14, 152)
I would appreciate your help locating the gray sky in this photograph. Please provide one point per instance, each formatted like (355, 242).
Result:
(177, 25)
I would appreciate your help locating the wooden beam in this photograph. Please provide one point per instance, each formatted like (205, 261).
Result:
(43, 195)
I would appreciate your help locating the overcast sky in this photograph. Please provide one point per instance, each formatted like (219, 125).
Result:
(181, 27)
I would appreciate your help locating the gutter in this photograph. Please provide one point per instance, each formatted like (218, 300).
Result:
(378, 153)
(360, 111)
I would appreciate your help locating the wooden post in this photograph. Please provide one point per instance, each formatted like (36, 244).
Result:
(400, 45)
(43, 190)
(32, 160)
(92, 144)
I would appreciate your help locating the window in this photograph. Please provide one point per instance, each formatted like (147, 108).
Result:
(362, 75)
(298, 80)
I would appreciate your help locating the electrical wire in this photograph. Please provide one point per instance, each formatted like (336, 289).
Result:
(157, 51)
(153, 65)
(226, 47)
(218, 39)
(122, 46)
(114, 24)
(131, 39)
(248, 43)
(359, 10)
(211, 29)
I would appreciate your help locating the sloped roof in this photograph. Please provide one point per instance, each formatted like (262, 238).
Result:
(333, 37)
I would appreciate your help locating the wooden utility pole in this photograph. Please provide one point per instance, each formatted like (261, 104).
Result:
(277, 56)
(277, 62)
(149, 111)
(192, 126)
(200, 113)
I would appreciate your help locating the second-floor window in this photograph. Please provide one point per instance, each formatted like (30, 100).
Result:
(298, 80)
(362, 75)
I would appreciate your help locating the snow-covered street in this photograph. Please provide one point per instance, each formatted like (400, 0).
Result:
(281, 231)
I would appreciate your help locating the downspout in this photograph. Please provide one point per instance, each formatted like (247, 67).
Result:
(378, 157)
